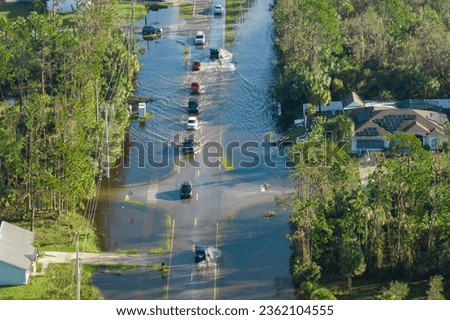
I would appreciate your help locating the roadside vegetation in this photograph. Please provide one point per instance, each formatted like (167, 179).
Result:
(58, 81)
(383, 49)
(59, 283)
(166, 243)
(186, 10)
(397, 227)
(52, 138)
(127, 10)
(235, 10)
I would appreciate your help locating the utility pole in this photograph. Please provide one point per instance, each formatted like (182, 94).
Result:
(96, 101)
(107, 142)
(130, 38)
(170, 260)
(78, 274)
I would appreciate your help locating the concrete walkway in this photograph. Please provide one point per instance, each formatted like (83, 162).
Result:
(102, 258)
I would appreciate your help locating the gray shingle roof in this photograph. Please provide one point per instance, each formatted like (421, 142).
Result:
(16, 246)
(411, 121)
(352, 100)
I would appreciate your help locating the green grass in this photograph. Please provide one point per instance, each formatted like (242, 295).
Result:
(227, 164)
(23, 9)
(14, 10)
(235, 10)
(59, 233)
(155, 6)
(135, 184)
(158, 267)
(135, 116)
(135, 202)
(186, 54)
(127, 251)
(165, 246)
(295, 132)
(59, 283)
(231, 215)
(125, 11)
(369, 289)
(186, 10)
(116, 270)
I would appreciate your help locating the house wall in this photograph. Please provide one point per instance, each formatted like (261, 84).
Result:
(10, 275)
(434, 142)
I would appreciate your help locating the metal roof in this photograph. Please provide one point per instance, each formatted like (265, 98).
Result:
(16, 246)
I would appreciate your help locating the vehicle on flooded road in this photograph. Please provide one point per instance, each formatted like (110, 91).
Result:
(196, 88)
(196, 65)
(200, 38)
(186, 189)
(192, 107)
(200, 253)
(218, 9)
(151, 31)
(215, 54)
(189, 146)
(192, 123)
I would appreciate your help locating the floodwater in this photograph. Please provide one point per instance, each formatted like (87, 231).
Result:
(229, 201)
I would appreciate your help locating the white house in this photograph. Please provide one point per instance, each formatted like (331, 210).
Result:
(17, 254)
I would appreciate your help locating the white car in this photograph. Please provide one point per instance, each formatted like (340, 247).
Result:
(218, 9)
(200, 38)
(192, 123)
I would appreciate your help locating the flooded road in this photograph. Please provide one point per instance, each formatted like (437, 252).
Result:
(228, 173)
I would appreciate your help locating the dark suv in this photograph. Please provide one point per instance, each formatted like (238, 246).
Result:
(151, 30)
(193, 106)
(200, 253)
(215, 54)
(186, 189)
(189, 145)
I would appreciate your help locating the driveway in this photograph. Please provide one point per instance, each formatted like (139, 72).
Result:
(103, 258)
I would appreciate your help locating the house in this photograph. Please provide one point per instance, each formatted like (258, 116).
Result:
(17, 254)
(352, 101)
(330, 110)
(373, 134)
(349, 102)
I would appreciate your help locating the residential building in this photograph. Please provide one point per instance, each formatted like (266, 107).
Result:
(373, 134)
(352, 101)
(17, 254)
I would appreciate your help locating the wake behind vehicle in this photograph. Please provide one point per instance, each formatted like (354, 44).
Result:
(215, 54)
